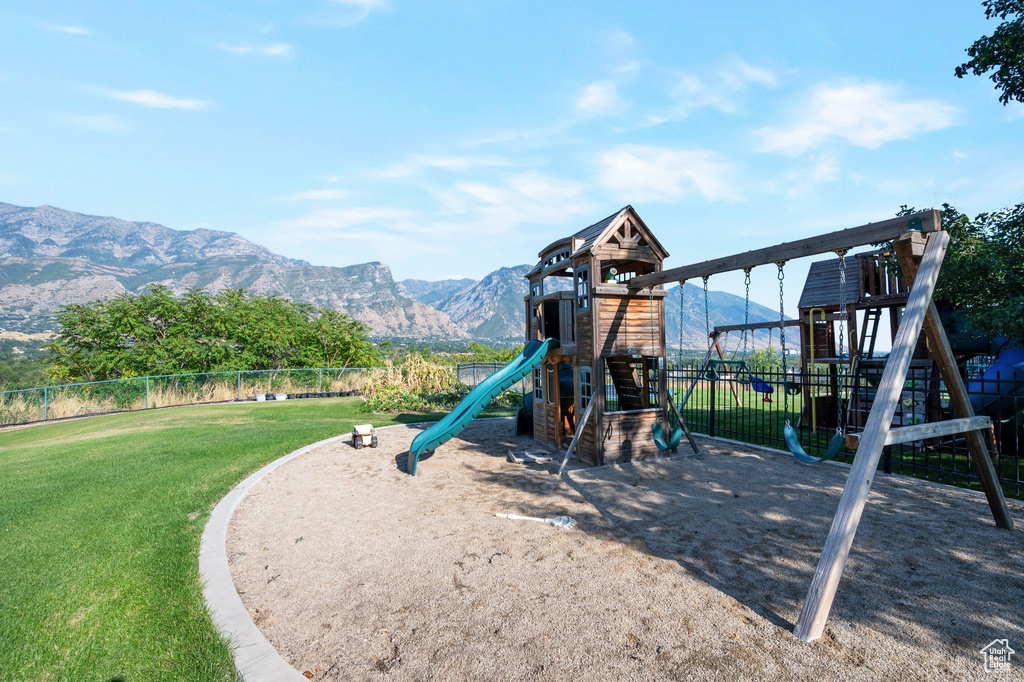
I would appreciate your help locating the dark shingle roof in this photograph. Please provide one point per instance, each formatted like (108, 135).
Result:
(822, 286)
(592, 233)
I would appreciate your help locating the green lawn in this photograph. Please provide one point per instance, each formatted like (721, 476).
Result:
(761, 423)
(100, 522)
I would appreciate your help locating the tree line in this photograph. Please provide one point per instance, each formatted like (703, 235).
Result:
(158, 332)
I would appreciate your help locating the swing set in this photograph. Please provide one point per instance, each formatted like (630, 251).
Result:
(920, 246)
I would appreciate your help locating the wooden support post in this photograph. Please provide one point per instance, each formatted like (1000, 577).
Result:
(822, 592)
(682, 425)
(725, 366)
(942, 353)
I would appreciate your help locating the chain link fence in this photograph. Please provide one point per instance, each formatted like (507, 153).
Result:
(140, 393)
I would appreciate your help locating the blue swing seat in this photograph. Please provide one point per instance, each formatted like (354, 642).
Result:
(793, 443)
(760, 385)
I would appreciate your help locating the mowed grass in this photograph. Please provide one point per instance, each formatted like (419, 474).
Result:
(100, 521)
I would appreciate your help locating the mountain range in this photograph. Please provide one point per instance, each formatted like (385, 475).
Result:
(50, 257)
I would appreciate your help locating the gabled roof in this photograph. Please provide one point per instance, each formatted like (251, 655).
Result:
(590, 234)
(597, 234)
(821, 289)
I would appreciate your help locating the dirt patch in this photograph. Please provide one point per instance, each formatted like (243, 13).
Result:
(677, 569)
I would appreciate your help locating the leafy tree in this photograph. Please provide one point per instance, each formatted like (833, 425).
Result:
(1002, 51)
(159, 333)
(982, 277)
(481, 353)
(764, 360)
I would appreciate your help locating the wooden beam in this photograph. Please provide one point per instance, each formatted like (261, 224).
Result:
(579, 432)
(872, 233)
(822, 592)
(751, 326)
(942, 353)
(769, 324)
(906, 434)
(725, 365)
(682, 424)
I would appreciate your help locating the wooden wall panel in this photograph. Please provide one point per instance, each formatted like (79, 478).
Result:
(628, 437)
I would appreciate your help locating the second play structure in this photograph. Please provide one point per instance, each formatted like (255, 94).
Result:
(863, 290)
(595, 313)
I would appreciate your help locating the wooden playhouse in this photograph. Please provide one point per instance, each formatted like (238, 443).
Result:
(612, 340)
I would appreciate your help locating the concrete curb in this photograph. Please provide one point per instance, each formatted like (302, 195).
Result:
(256, 659)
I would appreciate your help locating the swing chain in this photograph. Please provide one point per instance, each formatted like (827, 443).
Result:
(707, 321)
(682, 309)
(746, 309)
(782, 337)
(842, 330)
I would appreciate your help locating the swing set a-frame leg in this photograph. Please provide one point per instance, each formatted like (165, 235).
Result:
(725, 366)
(942, 353)
(811, 623)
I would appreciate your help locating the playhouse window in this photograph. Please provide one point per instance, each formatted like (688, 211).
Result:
(586, 388)
(557, 257)
(537, 290)
(583, 288)
(538, 387)
(549, 382)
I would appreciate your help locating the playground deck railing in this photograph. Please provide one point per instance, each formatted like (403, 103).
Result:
(47, 403)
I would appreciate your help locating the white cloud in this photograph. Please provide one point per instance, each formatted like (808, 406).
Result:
(417, 163)
(270, 50)
(464, 214)
(319, 195)
(866, 115)
(344, 13)
(721, 88)
(826, 169)
(332, 221)
(104, 123)
(598, 98)
(524, 198)
(646, 173)
(156, 100)
(71, 30)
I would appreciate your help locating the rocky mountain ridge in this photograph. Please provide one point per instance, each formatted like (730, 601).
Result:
(51, 257)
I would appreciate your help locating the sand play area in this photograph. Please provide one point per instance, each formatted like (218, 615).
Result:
(690, 568)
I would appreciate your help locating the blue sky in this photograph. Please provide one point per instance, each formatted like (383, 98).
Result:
(448, 139)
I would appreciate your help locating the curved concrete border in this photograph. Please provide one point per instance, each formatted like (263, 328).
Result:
(256, 659)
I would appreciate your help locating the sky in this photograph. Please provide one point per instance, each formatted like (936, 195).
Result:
(449, 139)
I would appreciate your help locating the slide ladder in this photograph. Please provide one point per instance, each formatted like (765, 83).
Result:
(486, 391)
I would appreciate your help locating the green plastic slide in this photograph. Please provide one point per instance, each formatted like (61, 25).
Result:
(486, 391)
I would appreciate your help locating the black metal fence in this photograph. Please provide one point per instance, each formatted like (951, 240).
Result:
(754, 407)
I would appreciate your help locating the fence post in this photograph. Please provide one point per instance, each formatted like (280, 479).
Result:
(320, 380)
(147, 393)
(711, 412)
(46, 402)
(239, 396)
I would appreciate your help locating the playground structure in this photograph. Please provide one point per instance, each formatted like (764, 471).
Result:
(610, 331)
(920, 246)
(611, 344)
